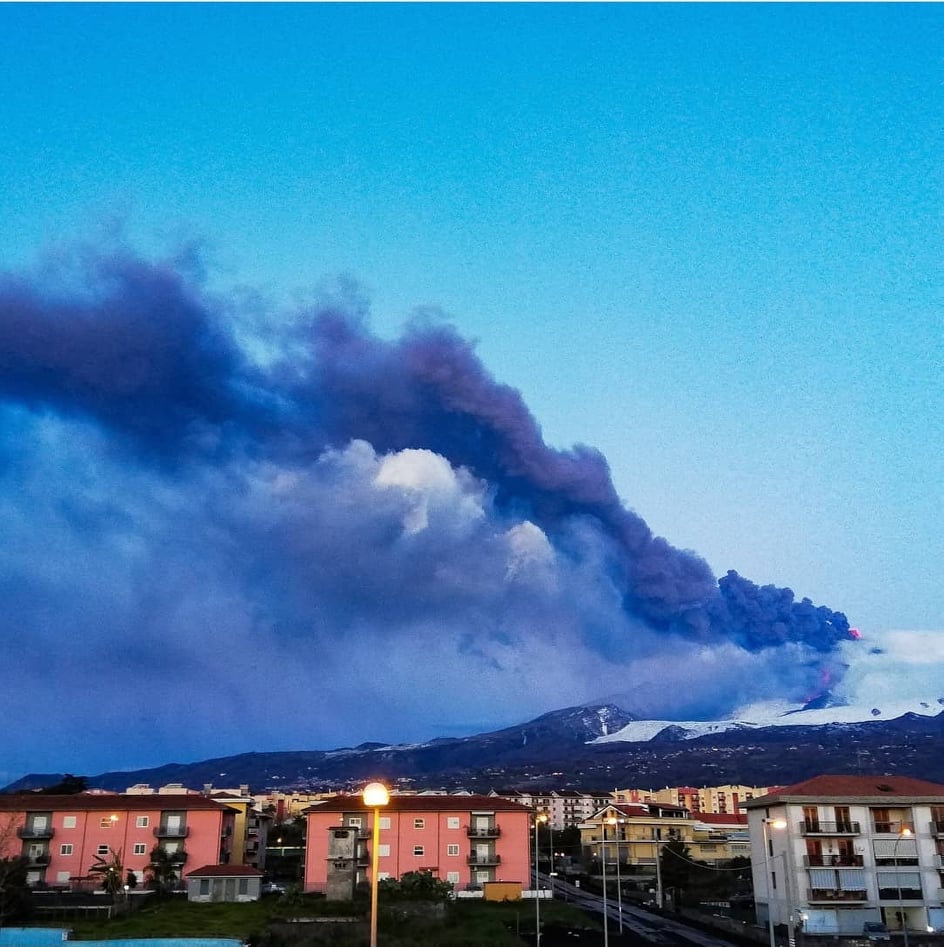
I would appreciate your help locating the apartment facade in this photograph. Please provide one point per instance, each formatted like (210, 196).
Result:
(721, 800)
(465, 840)
(564, 808)
(633, 833)
(64, 837)
(834, 852)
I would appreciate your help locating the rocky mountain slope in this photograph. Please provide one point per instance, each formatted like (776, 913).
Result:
(592, 746)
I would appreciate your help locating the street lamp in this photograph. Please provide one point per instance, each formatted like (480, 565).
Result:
(537, 884)
(775, 824)
(606, 926)
(619, 884)
(375, 796)
(904, 833)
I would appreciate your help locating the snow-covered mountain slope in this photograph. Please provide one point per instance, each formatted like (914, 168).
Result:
(772, 714)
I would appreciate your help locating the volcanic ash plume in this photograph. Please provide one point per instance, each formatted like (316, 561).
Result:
(338, 484)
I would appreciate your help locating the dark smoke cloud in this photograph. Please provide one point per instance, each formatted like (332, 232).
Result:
(181, 466)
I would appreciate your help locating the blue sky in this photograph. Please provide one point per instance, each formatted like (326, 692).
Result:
(704, 240)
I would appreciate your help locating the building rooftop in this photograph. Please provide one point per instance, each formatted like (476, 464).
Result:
(225, 871)
(866, 788)
(355, 803)
(103, 802)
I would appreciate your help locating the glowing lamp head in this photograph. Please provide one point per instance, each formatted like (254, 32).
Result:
(376, 794)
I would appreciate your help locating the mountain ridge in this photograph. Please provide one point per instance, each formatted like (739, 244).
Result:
(589, 744)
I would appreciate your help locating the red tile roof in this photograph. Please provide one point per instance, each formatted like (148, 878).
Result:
(721, 818)
(108, 802)
(355, 803)
(225, 871)
(852, 787)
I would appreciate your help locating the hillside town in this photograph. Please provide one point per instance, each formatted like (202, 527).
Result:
(820, 861)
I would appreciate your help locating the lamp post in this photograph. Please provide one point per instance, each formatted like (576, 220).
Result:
(904, 833)
(606, 926)
(375, 796)
(619, 882)
(776, 824)
(538, 819)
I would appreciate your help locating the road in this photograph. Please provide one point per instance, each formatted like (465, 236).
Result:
(646, 927)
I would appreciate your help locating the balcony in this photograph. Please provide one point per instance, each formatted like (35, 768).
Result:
(177, 858)
(891, 828)
(484, 860)
(171, 831)
(829, 828)
(832, 861)
(833, 895)
(900, 895)
(477, 831)
(37, 861)
(35, 831)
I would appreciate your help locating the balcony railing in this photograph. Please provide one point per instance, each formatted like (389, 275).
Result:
(832, 861)
(829, 828)
(900, 894)
(891, 828)
(484, 860)
(818, 895)
(37, 861)
(35, 831)
(477, 831)
(171, 831)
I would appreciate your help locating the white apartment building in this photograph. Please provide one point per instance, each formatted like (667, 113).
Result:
(834, 852)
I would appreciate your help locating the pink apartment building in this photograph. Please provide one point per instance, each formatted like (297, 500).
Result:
(465, 840)
(62, 836)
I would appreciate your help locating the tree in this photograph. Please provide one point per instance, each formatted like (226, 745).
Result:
(163, 869)
(675, 865)
(69, 785)
(415, 886)
(16, 896)
(111, 871)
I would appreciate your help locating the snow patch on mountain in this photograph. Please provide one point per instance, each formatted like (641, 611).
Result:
(774, 713)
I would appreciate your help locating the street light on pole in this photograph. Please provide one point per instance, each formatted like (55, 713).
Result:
(606, 926)
(619, 883)
(538, 819)
(776, 824)
(375, 796)
(904, 833)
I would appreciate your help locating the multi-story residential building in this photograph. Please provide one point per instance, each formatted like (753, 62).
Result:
(564, 808)
(65, 836)
(723, 800)
(633, 834)
(465, 840)
(285, 806)
(835, 852)
(247, 840)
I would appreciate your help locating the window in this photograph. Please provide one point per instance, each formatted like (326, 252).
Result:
(452, 877)
(452, 822)
(383, 851)
(65, 849)
(382, 874)
(419, 823)
(107, 822)
(243, 887)
(140, 848)
(385, 822)
(63, 877)
(101, 850)
(418, 850)
(68, 822)
(204, 886)
(452, 849)
(354, 820)
(142, 821)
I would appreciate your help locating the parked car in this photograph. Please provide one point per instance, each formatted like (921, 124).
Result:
(875, 930)
(272, 887)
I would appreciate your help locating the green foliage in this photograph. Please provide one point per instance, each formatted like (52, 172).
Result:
(69, 785)
(110, 871)
(16, 898)
(414, 886)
